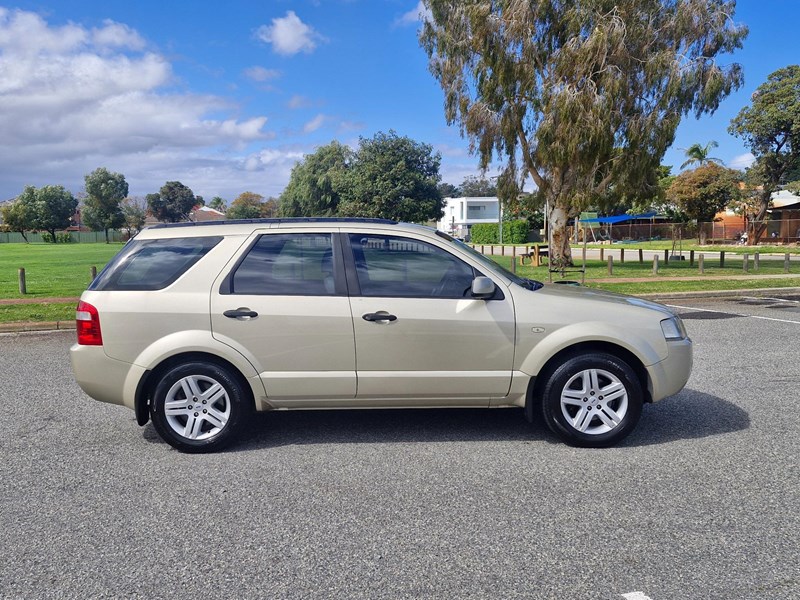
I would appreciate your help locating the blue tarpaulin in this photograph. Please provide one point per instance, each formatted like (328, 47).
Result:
(619, 218)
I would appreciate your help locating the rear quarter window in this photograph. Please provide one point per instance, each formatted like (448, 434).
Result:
(152, 264)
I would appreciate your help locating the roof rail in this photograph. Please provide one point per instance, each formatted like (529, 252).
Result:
(266, 221)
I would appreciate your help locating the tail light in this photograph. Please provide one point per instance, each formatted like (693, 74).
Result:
(87, 322)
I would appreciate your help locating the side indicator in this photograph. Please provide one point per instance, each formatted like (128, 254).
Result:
(537, 329)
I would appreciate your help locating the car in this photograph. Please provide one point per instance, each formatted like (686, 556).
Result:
(197, 325)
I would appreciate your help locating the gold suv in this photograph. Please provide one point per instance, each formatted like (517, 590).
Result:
(195, 325)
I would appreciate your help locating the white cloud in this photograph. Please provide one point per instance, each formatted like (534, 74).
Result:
(261, 74)
(314, 123)
(742, 161)
(417, 14)
(117, 35)
(75, 98)
(289, 35)
(298, 101)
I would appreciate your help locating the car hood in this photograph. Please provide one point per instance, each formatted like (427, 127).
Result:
(578, 292)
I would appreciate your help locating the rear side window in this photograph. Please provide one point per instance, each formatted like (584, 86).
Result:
(287, 264)
(152, 264)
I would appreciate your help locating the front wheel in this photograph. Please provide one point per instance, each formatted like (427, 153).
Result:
(592, 400)
(198, 407)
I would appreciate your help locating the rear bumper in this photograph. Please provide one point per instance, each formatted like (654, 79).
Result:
(103, 378)
(669, 376)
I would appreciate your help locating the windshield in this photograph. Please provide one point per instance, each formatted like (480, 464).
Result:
(529, 284)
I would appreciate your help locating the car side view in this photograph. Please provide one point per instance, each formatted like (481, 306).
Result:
(196, 325)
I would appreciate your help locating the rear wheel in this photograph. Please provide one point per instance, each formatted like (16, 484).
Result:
(592, 400)
(198, 407)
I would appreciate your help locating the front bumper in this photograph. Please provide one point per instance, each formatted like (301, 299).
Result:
(669, 376)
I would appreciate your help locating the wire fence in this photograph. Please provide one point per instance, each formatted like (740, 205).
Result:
(78, 237)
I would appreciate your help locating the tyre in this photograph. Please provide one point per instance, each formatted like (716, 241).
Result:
(198, 407)
(592, 400)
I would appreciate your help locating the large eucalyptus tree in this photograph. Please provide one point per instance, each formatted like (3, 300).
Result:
(579, 94)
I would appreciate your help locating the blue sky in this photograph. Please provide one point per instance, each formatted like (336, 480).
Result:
(226, 97)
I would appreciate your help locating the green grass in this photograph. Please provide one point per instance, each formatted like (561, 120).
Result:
(51, 270)
(63, 270)
(12, 313)
(662, 287)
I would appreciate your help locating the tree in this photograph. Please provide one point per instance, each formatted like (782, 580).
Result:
(448, 190)
(269, 208)
(135, 211)
(18, 216)
(52, 208)
(578, 95)
(770, 128)
(699, 155)
(477, 187)
(705, 191)
(794, 187)
(392, 177)
(173, 202)
(246, 206)
(103, 205)
(218, 203)
(314, 185)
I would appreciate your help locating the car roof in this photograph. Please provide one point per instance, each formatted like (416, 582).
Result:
(247, 226)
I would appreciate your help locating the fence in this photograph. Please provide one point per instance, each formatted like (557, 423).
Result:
(80, 237)
(779, 231)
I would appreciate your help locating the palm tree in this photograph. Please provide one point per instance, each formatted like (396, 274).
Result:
(699, 154)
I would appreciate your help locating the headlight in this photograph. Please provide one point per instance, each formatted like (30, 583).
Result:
(673, 329)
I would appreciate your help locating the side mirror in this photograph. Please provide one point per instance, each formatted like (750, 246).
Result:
(482, 288)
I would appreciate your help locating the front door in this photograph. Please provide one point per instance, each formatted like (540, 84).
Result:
(284, 306)
(420, 336)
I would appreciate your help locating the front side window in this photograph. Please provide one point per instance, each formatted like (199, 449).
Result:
(287, 264)
(152, 264)
(392, 266)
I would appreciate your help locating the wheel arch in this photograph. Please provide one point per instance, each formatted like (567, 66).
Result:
(150, 378)
(538, 382)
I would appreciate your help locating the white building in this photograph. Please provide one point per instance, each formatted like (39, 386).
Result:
(460, 214)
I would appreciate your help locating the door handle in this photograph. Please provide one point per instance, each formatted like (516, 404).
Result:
(378, 317)
(239, 313)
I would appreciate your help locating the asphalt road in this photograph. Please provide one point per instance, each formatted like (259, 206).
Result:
(700, 502)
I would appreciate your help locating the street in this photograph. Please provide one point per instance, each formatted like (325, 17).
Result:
(701, 501)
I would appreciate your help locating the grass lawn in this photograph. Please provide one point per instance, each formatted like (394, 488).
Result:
(51, 270)
(63, 270)
(12, 313)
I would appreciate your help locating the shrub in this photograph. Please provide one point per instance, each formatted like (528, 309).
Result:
(61, 238)
(514, 232)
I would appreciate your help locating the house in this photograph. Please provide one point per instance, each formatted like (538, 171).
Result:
(204, 213)
(783, 223)
(460, 214)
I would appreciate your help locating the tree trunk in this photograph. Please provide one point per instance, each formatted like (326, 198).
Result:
(558, 222)
(106, 234)
(758, 226)
(53, 233)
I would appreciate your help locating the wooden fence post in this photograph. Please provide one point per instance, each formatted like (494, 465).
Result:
(641, 256)
(701, 263)
(691, 258)
(746, 262)
(722, 258)
(610, 265)
(602, 253)
(23, 289)
(755, 261)
(786, 262)
(93, 272)
(622, 255)
(655, 264)
(666, 256)
(513, 259)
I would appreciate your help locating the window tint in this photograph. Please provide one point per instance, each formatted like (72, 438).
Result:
(152, 264)
(287, 264)
(403, 267)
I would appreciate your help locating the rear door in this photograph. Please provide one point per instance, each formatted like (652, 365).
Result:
(284, 305)
(420, 336)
